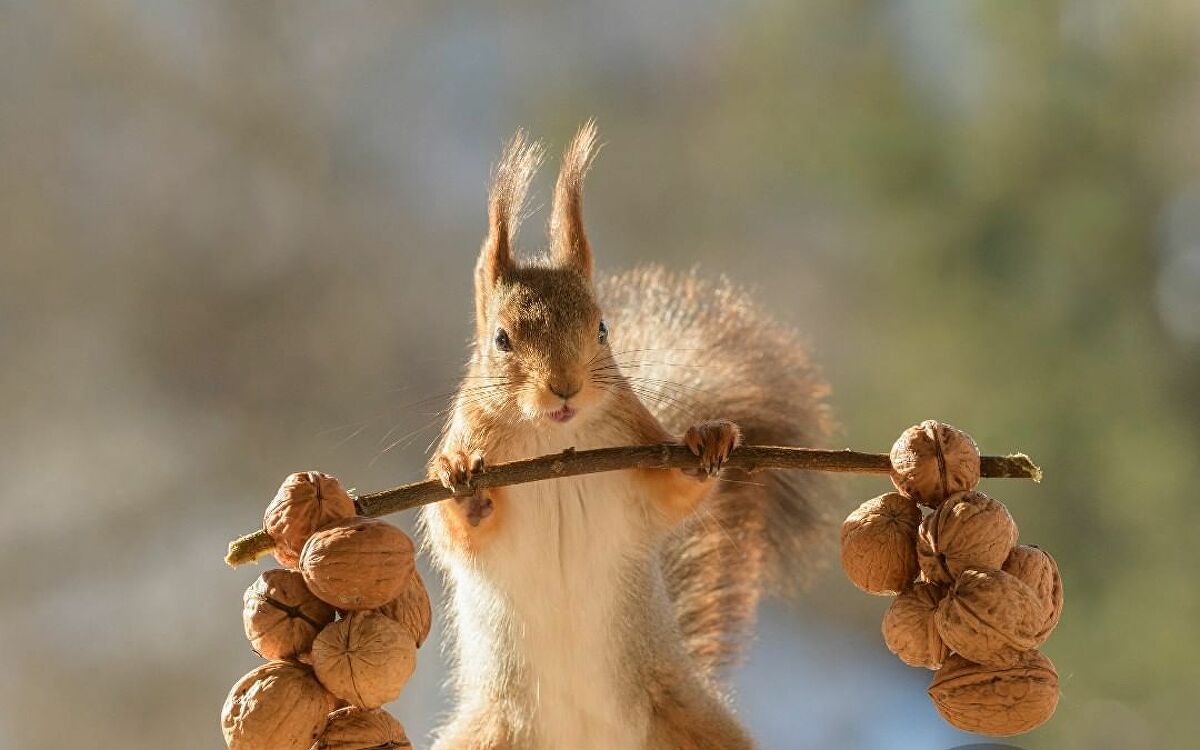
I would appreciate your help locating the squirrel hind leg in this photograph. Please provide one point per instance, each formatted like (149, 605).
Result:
(685, 714)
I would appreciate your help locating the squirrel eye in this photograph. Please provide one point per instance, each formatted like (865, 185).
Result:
(603, 334)
(502, 341)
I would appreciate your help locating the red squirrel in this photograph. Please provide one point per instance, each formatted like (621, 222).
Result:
(596, 611)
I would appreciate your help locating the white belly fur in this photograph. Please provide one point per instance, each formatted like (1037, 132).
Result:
(545, 592)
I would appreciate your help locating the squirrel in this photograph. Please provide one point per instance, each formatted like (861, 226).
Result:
(598, 611)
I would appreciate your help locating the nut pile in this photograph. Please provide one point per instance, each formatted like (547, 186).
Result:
(339, 624)
(970, 602)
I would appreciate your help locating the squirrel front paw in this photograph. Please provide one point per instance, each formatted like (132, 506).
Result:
(712, 441)
(455, 469)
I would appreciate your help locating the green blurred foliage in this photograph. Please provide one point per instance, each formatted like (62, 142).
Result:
(1009, 286)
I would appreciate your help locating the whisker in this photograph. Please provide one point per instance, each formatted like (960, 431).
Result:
(409, 437)
(745, 482)
(655, 349)
(653, 384)
(352, 435)
(663, 381)
(355, 426)
(660, 398)
(720, 526)
(668, 402)
(650, 363)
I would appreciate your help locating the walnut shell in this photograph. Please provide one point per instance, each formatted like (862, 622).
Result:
(357, 563)
(1037, 568)
(996, 702)
(990, 617)
(304, 503)
(278, 706)
(365, 659)
(931, 461)
(281, 616)
(909, 629)
(412, 609)
(356, 728)
(968, 530)
(879, 544)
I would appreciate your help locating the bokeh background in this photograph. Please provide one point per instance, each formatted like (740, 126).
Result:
(236, 242)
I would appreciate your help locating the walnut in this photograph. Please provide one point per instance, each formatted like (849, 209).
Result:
(305, 502)
(355, 728)
(365, 659)
(278, 706)
(412, 609)
(281, 616)
(879, 544)
(932, 461)
(990, 617)
(996, 702)
(968, 530)
(1037, 568)
(357, 563)
(909, 630)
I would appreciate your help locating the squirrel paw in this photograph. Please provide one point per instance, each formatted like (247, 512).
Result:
(456, 468)
(712, 441)
(475, 507)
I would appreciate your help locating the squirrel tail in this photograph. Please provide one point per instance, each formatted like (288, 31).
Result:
(696, 349)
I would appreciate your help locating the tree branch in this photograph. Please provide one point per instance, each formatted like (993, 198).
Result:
(571, 463)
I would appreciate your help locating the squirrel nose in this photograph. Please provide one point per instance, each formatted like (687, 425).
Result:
(564, 392)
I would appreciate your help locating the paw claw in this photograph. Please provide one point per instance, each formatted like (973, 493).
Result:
(456, 469)
(712, 442)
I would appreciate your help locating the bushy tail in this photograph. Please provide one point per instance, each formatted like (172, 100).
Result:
(697, 349)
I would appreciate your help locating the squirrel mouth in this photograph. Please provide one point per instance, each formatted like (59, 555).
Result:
(561, 415)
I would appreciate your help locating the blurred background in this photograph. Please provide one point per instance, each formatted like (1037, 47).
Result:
(236, 241)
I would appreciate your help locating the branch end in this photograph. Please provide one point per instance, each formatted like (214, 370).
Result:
(248, 549)
(1033, 471)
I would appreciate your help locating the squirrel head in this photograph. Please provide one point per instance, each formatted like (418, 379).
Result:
(540, 339)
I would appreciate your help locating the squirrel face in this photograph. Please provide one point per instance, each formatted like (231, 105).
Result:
(541, 347)
(543, 340)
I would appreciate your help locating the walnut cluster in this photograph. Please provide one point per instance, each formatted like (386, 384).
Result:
(971, 603)
(340, 625)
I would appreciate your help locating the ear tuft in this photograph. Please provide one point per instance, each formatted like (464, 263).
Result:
(506, 202)
(568, 241)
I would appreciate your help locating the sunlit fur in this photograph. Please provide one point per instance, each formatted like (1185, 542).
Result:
(586, 612)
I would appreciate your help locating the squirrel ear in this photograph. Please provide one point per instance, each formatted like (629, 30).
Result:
(568, 242)
(506, 201)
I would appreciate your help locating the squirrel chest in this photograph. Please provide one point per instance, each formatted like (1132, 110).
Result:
(548, 598)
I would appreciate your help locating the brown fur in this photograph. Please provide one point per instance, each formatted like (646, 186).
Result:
(510, 185)
(568, 240)
(700, 350)
(691, 355)
(688, 718)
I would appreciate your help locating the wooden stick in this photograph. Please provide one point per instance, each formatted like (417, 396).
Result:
(571, 463)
